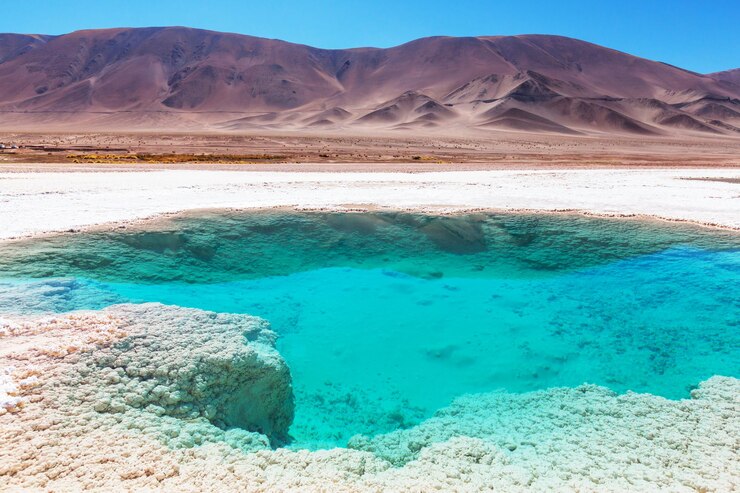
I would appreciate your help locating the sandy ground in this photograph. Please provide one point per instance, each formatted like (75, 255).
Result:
(40, 202)
(367, 152)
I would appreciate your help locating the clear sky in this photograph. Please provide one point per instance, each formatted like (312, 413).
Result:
(700, 35)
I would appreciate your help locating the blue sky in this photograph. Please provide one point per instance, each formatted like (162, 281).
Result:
(700, 35)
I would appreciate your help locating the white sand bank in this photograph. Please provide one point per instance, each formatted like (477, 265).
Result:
(32, 203)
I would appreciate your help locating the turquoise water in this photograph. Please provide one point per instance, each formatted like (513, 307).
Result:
(384, 318)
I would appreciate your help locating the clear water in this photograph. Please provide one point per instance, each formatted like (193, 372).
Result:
(384, 318)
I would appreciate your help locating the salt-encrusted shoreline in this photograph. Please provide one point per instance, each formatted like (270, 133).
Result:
(94, 411)
(39, 203)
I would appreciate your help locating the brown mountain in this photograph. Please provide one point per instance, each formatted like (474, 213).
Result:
(731, 76)
(174, 77)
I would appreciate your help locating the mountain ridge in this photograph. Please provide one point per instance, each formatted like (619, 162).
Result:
(178, 77)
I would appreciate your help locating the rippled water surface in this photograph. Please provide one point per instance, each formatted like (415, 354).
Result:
(384, 317)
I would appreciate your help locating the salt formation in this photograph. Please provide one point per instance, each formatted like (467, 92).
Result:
(150, 397)
(192, 364)
(581, 439)
(183, 377)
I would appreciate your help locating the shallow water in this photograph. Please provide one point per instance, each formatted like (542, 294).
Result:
(384, 318)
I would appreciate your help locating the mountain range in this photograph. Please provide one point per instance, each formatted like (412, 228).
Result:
(183, 78)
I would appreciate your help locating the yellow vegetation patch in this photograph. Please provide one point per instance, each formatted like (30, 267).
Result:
(175, 158)
(431, 159)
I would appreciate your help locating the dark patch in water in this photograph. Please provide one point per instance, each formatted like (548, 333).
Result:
(456, 235)
(225, 247)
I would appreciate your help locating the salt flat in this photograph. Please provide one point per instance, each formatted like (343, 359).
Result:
(40, 202)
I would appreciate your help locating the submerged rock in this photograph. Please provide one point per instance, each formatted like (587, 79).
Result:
(460, 235)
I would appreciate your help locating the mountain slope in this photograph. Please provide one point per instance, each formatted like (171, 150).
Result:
(731, 76)
(175, 76)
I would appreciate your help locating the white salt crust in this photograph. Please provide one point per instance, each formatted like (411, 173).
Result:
(40, 202)
(116, 405)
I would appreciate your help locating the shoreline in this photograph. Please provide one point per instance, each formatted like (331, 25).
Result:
(38, 204)
(151, 222)
(470, 442)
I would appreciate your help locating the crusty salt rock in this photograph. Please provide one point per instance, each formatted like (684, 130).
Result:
(191, 363)
(9, 398)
